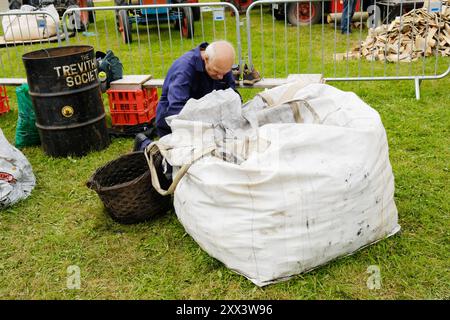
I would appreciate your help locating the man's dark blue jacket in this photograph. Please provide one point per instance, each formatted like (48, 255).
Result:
(186, 78)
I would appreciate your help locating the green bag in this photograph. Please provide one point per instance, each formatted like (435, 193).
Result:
(26, 131)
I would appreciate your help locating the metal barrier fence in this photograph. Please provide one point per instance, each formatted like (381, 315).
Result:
(320, 47)
(149, 38)
(22, 33)
(155, 35)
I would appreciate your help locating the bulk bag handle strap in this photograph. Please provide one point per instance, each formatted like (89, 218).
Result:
(288, 98)
(152, 150)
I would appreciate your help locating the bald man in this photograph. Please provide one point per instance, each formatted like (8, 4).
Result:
(193, 75)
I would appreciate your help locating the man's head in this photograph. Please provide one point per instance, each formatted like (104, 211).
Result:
(219, 58)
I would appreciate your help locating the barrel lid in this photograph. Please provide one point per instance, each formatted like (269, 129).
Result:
(57, 52)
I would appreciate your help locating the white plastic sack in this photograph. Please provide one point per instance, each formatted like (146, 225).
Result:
(21, 27)
(313, 192)
(16, 176)
(4, 5)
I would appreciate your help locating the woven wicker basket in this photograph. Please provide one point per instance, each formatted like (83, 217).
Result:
(124, 185)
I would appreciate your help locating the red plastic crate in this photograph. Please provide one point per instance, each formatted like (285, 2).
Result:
(4, 103)
(131, 107)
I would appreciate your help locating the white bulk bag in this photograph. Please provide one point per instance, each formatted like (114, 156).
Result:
(16, 176)
(21, 27)
(316, 191)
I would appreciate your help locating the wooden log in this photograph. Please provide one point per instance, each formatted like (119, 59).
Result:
(419, 34)
(356, 17)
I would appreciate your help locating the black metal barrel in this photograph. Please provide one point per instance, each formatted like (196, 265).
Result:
(65, 90)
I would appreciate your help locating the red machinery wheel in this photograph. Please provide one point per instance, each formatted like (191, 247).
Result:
(119, 3)
(304, 13)
(125, 26)
(187, 23)
(84, 15)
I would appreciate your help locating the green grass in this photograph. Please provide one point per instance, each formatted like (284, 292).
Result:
(63, 223)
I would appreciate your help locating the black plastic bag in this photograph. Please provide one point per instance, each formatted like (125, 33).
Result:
(111, 65)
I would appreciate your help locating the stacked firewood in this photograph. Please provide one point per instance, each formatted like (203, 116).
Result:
(415, 34)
